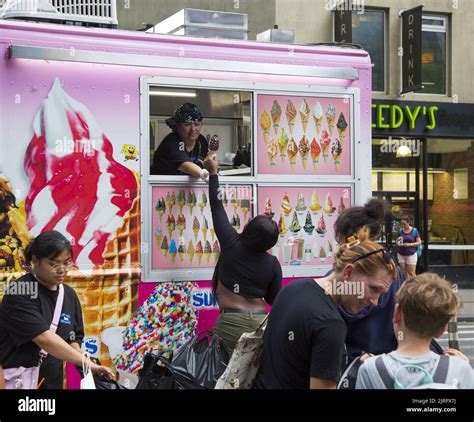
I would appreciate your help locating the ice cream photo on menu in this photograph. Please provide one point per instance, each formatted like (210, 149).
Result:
(318, 115)
(304, 114)
(276, 116)
(290, 115)
(265, 123)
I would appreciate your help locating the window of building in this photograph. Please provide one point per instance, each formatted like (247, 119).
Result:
(434, 54)
(368, 30)
(451, 212)
(461, 190)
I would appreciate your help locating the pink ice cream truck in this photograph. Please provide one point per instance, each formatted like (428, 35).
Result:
(83, 112)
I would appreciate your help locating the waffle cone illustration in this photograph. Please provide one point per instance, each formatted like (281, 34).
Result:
(292, 153)
(109, 295)
(304, 151)
(14, 236)
(290, 116)
(265, 123)
(304, 114)
(318, 115)
(276, 116)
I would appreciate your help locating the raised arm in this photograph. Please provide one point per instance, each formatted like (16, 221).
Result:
(224, 231)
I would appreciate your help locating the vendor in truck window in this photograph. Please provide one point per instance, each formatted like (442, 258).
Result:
(181, 152)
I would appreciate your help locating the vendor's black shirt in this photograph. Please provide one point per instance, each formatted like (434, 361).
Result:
(23, 317)
(171, 153)
(304, 338)
(256, 274)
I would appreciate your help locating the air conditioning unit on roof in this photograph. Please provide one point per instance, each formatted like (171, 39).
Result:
(96, 13)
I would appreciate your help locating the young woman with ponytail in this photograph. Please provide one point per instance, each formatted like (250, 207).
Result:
(304, 339)
(369, 330)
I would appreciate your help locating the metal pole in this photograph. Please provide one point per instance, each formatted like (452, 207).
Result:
(453, 340)
(425, 205)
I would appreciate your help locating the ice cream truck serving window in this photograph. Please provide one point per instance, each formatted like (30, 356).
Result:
(288, 154)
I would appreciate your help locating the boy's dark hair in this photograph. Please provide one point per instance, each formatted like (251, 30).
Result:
(47, 245)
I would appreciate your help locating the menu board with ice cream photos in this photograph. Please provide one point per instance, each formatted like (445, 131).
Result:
(303, 135)
(305, 218)
(183, 233)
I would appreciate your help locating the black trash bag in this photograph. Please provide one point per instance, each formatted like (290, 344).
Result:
(158, 374)
(204, 358)
(103, 383)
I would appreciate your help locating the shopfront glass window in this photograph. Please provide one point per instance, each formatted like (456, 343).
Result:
(226, 114)
(368, 30)
(451, 211)
(434, 57)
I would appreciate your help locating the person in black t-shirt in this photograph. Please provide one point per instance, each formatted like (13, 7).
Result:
(182, 151)
(246, 278)
(304, 339)
(27, 311)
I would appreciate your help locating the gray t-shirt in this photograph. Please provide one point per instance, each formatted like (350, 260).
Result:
(460, 374)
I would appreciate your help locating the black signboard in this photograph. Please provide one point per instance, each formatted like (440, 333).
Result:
(411, 47)
(343, 22)
(415, 119)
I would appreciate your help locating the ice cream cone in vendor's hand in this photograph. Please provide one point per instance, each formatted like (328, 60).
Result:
(272, 151)
(276, 116)
(199, 252)
(265, 123)
(213, 145)
(331, 117)
(304, 151)
(196, 228)
(283, 144)
(304, 114)
(318, 115)
(292, 153)
(290, 116)
(164, 248)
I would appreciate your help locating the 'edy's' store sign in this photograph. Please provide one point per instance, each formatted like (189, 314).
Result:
(422, 119)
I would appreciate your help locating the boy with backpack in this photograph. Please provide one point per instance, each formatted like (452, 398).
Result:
(425, 304)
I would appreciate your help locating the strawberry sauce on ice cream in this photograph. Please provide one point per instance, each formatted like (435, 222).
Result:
(77, 187)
